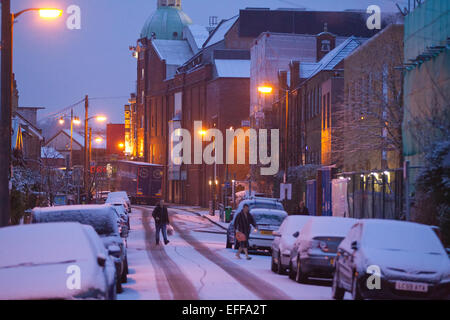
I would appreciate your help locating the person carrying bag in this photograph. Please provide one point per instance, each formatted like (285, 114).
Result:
(242, 229)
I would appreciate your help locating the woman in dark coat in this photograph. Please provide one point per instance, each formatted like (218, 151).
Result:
(243, 223)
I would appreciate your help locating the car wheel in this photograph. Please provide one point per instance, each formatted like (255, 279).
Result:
(280, 269)
(300, 277)
(273, 265)
(228, 244)
(336, 291)
(356, 293)
(291, 271)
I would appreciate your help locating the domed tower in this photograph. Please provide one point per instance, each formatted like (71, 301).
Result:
(167, 22)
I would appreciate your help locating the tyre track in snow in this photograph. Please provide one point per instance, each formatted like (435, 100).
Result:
(180, 285)
(256, 285)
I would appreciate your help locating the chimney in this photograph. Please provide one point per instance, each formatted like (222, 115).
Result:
(294, 66)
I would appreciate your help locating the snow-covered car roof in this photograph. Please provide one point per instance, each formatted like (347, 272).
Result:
(118, 194)
(35, 259)
(294, 223)
(402, 235)
(275, 212)
(327, 227)
(102, 217)
(43, 244)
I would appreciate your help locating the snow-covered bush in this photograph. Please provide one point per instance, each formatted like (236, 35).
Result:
(433, 188)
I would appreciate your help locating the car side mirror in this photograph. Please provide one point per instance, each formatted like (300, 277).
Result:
(101, 260)
(276, 234)
(124, 232)
(114, 251)
(296, 234)
(354, 245)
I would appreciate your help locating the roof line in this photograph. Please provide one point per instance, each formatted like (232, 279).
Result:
(217, 28)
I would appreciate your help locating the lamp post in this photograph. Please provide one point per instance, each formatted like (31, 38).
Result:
(265, 89)
(86, 142)
(73, 120)
(6, 98)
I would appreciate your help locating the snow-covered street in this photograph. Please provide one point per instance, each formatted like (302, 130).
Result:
(196, 265)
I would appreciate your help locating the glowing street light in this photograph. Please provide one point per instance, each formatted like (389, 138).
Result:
(99, 139)
(101, 118)
(265, 89)
(50, 13)
(202, 132)
(76, 121)
(121, 145)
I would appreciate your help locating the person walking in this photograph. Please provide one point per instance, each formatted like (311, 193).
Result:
(161, 217)
(242, 228)
(301, 210)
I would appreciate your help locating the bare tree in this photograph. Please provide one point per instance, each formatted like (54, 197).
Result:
(367, 127)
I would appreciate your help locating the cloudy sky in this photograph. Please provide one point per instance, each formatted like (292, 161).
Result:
(56, 67)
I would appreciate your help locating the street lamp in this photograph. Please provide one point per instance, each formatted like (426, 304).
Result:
(7, 28)
(73, 120)
(264, 89)
(99, 118)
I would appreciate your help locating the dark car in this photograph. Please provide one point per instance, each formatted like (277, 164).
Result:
(386, 259)
(104, 221)
(315, 249)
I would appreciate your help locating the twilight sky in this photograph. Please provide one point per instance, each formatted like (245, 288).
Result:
(56, 67)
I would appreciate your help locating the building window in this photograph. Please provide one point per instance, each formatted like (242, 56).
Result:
(142, 73)
(326, 45)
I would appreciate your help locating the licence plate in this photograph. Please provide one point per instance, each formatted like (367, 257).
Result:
(411, 286)
(266, 232)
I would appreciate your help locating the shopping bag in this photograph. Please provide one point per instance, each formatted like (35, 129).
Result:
(240, 236)
(169, 230)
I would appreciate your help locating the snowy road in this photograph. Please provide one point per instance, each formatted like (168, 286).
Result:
(196, 265)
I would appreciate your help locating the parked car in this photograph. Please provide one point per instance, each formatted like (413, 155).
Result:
(268, 221)
(284, 240)
(408, 258)
(37, 262)
(265, 203)
(114, 196)
(104, 221)
(315, 249)
(121, 214)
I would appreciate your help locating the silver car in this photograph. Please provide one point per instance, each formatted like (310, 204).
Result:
(267, 220)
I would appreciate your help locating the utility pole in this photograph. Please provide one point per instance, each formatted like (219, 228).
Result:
(86, 173)
(90, 148)
(71, 139)
(6, 111)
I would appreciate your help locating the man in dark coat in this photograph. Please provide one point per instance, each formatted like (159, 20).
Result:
(161, 217)
(243, 223)
(302, 210)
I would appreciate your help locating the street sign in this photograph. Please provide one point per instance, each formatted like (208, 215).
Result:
(285, 191)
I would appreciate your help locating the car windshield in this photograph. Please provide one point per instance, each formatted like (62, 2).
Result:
(104, 223)
(402, 237)
(268, 219)
(266, 205)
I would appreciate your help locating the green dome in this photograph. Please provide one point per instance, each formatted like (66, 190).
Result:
(166, 23)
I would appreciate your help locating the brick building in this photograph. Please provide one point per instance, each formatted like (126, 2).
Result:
(373, 97)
